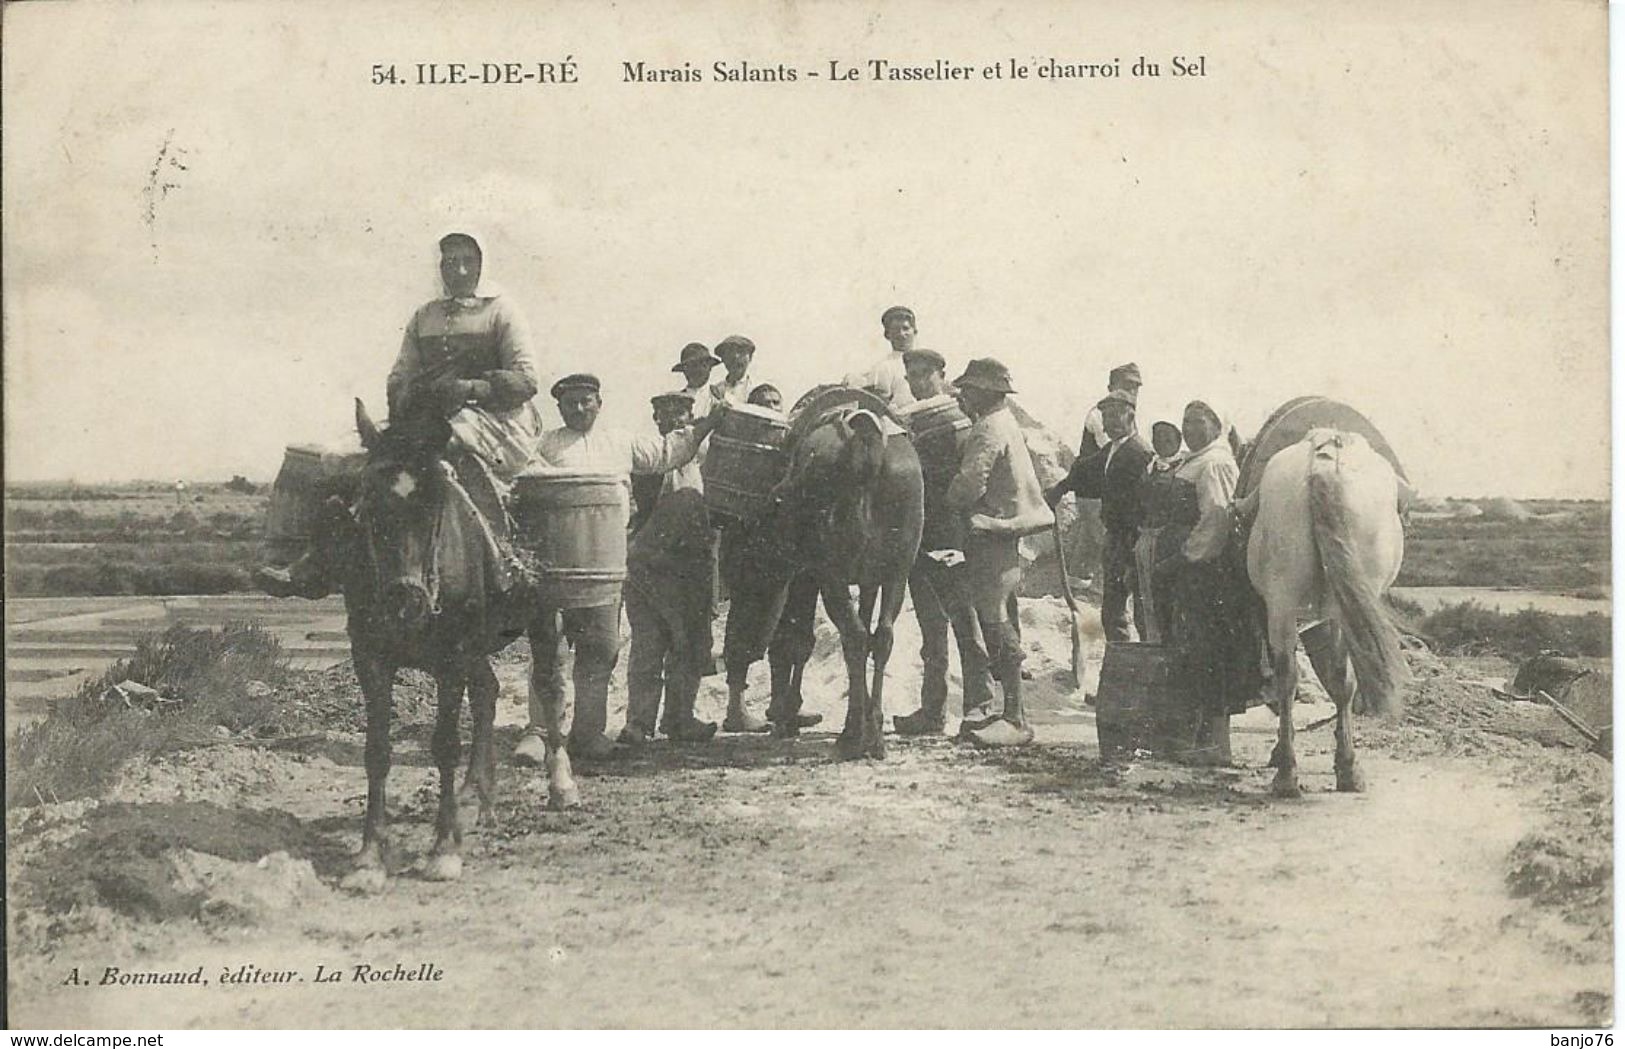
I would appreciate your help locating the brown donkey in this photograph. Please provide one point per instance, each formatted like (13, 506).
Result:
(423, 588)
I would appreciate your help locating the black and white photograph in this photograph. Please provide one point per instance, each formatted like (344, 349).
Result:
(822, 514)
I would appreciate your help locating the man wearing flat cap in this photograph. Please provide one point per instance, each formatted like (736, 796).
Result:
(695, 363)
(998, 491)
(669, 562)
(886, 376)
(594, 632)
(1114, 476)
(1125, 377)
(672, 411)
(734, 387)
(939, 591)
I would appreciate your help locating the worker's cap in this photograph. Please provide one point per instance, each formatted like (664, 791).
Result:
(986, 373)
(1117, 398)
(902, 312)
(694, 353)
(676, 399)
(1124, 373)
(578, 381)
(931, 357)
(735, 346)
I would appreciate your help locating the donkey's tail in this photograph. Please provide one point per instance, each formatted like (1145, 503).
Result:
(1367, 626)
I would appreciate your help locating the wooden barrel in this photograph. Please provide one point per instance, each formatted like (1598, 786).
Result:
(753, 423)
(1135, 699)
(935, 424)
(298, 491)
(744, 460)
(572, 528)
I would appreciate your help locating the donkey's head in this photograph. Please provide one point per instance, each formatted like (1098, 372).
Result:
(832, 465)
(402, 496)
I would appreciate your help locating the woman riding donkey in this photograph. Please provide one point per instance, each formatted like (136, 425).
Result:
(464, 360)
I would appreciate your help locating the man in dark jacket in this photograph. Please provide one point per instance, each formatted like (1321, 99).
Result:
(1114, 475)
(938, 589)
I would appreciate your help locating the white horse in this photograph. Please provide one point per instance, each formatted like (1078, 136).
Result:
(1325, 546)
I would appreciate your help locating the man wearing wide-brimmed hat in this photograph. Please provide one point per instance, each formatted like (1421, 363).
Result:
(695, 364)
(593, 631)
(998, 489)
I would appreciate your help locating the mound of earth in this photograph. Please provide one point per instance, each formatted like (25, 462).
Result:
(1504, 509)
(1447, 712)
(175, 860)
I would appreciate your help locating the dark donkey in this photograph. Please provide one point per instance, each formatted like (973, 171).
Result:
(422, 588)
(849, 511)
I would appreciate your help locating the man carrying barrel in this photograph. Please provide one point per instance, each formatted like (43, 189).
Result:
(938, 588)
(465, 358)
(998, 489)
(593, 631)
(887, 376)
(672, 411)
(669, 565)
(1114, 475)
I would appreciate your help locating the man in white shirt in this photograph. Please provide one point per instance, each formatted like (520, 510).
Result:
(593, 632)
(887, 376)
(695, 363)
(734, 387)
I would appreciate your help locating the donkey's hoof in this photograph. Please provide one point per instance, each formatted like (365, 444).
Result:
(848, 748)
(1286, 784)
(443, 866)
(1351, 780)
(365, 880)
(561, 798)
(875, 751)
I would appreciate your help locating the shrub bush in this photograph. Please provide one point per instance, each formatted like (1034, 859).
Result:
(81, 746)
(1471, 629)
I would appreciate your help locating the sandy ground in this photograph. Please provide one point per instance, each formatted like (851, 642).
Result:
(754, 883)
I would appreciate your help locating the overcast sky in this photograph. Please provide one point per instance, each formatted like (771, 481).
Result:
(216, 227)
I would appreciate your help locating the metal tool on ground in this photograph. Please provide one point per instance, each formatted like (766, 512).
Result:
(1601, 742)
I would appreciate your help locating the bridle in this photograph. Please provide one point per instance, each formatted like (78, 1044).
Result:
(365, 515)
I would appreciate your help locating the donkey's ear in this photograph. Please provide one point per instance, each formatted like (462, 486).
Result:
(365, 426)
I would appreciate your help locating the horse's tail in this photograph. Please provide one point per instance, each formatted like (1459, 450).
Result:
(1367, 625)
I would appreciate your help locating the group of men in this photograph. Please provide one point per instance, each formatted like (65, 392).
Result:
(465, 359)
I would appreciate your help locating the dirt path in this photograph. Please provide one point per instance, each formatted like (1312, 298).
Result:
(754, 883)
(761, 884)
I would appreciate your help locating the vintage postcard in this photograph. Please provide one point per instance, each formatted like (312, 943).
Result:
(820, 514)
